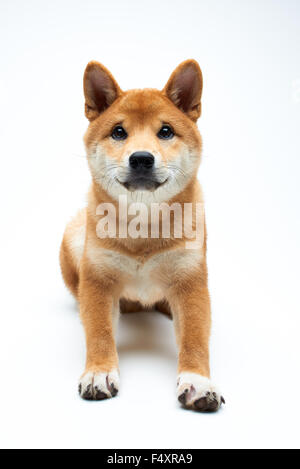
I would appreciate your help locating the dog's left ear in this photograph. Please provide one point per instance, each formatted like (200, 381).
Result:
(184, 88)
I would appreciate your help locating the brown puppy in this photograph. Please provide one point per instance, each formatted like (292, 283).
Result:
(144, 146)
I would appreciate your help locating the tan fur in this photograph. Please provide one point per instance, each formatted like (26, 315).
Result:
(139, 273)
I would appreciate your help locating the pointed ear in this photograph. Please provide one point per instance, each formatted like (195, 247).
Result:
(184, 88)
(100, 89)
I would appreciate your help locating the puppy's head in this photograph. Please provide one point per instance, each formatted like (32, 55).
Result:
(143, 143)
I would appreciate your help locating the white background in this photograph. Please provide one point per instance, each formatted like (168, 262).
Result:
(249, 51)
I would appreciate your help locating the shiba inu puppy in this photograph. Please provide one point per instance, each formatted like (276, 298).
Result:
(143, 145)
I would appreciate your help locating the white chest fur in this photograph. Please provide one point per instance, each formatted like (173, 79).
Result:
(146, 281)
(143, 284)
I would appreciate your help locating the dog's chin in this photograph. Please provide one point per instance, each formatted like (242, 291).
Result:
(142, 184)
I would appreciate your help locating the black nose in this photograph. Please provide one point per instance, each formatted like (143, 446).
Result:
(141, 160)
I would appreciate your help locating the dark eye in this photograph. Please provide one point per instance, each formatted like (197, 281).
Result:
(165, 132)
(119, 133)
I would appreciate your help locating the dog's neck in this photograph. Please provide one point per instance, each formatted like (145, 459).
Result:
(140, 247)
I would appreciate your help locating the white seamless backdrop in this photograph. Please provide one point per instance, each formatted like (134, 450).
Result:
(249, 51)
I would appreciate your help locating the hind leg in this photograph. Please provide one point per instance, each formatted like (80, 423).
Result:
(71, 251)
(68, 269)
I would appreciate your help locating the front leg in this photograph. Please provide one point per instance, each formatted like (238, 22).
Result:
(99, 310)
(190, 304)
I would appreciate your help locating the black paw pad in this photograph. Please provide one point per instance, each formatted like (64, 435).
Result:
(201, 404)
(182, 397)
(208, 403)
(99, 395)
(88, 393)
(114, 391)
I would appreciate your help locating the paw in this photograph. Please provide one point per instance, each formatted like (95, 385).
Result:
(98, 386)
(196, 392)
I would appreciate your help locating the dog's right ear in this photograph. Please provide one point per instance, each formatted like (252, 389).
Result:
(100, 89)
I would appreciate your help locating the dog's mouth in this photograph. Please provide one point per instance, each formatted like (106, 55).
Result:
(142, 184)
